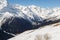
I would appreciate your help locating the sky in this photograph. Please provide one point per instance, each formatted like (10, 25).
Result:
(41, 3)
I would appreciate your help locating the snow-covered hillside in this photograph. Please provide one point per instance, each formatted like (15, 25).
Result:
(15, 19)
(50, 32)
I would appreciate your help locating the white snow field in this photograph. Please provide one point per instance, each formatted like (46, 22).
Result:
(50, 32)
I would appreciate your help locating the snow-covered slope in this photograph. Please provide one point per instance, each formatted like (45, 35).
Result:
(50, 32)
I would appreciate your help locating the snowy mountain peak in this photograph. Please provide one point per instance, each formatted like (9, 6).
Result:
(31, 12)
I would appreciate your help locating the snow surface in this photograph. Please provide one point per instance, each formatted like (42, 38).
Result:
(50, 32)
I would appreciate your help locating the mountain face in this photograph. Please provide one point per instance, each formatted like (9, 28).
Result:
(15, 19)
(15, 25)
